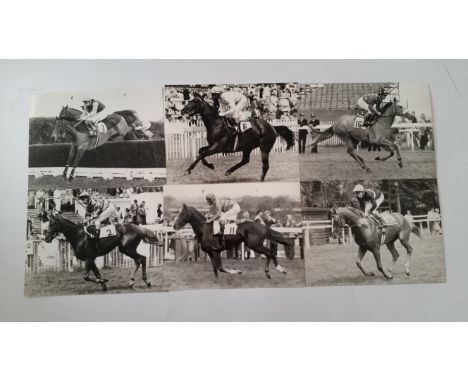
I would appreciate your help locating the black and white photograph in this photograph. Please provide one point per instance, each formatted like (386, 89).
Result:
(366, 130)
(234, 235)
(97, 138)
(384, 232)
(239, 133)
(87, 241)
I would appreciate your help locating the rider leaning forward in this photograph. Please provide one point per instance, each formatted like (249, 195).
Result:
(369, 200)
(371, 103)
(92, 110)
(98, 209)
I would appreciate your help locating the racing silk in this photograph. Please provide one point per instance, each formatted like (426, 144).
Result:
(97, 206)
(224, 210)
(370, 200)
(95, 107)
(370, 102)
(232, 103)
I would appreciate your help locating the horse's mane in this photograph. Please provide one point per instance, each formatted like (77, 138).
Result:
(210, 107)
(386, 106)
(353, 210)
(196, 211)
(60, 217)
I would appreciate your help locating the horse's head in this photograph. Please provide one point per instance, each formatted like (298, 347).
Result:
(68, 113)
(55, 227)
(194, 106)
(183, 217)
(338, 220)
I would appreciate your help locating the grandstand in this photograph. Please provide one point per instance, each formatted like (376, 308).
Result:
(329, 101)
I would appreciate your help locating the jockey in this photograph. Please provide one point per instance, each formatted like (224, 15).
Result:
(232, 103)
(369, 200)
(371, 104)
(92, 110)
(99, 209)
(224, 210)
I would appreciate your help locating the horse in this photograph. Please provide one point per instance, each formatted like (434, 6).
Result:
(118, 124)
(368, 236)
(221, 139)
(380, 133)
(251, 233)
(128, 237)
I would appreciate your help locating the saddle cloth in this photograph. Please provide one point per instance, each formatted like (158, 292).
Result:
(229, 228)
(359, 122)
(388, 219)
(107, 231)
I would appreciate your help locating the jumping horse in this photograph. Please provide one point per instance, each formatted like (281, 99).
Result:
(251, 233)
(380, 133)
(368, 236)
(128, 237)
(221, 138)
(118, 124)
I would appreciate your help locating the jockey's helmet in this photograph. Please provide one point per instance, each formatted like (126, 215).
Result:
(358, 188)
(211, 196)
(84, 195)
(89, 99)
(217, 89)
(382, 92)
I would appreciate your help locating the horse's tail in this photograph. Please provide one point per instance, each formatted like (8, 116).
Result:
(130, 116)
(287, 135)
(278, 237)
(319, 136)
(416, 230)
(149, 236)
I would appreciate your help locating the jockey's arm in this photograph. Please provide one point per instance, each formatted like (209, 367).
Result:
(213, 217)
(372, 107)
(374, 205)
(94, 110)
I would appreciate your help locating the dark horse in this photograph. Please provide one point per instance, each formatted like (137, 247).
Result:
(222, 140)
(249, 232)
(118, 124)
(127, 239)
(380, 133)
(368, 236)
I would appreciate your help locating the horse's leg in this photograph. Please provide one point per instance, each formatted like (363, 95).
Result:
(219, 263)
(243, 162)
(362, 251)
(79, 154)
(213, 149)
(143, 271)
(390, 151)
(137, 260)
(265, 164)
(203, 159)
(393, 147)
(356, 157)
(270, 255)
(409, 249)
(91, 266)
(214, 264)
(71, 155)
(395, 255)
(376, 253)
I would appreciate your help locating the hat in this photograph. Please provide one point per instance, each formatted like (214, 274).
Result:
(210, 196)
(358, 188)
(89, 99)
(217, 89)
(83, 195)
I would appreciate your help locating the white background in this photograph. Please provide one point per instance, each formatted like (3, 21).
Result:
(449, 86)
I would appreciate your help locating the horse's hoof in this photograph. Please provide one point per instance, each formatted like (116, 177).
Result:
(371, 274)
(104, 287)
(239, 272)
(210, 165)
(408, 273)
(188, 172)
(268, 275)
(105, 280)
(389, 276)
(131, 284)
(400, 165)
(148, 284)
(368, 170)
(285, 273)
(227, 173)
(377, 158)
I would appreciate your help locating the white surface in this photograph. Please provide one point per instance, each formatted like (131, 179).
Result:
(18, 79)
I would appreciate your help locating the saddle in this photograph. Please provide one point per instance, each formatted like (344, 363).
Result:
(388, 225)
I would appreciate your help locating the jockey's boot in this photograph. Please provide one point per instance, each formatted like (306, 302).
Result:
(91, 128)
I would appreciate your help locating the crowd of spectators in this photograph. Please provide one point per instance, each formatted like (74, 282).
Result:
(273, 101)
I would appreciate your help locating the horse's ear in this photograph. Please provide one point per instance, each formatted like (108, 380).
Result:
(197, 95)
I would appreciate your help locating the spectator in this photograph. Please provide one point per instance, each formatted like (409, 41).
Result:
(290, 222)
(314, 122)
(127, 217)
(141, 214)
(159, 211)
(259, 217)
(423, 141)
(303, 132)
(133, 211)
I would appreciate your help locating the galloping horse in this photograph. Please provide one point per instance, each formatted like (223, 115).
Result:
(368, 236)
(221, 139)
(118, 124)
(128, 237)
(380, 133)
(253, 234)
